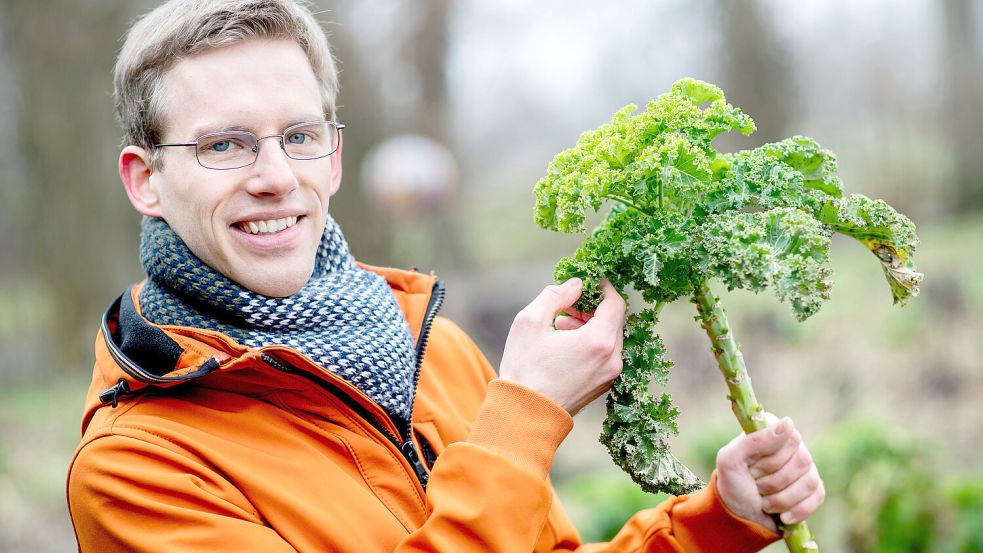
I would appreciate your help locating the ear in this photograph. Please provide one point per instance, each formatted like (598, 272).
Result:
(336, 166)
(135, 172)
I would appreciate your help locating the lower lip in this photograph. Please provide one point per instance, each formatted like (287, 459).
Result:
(269, 242)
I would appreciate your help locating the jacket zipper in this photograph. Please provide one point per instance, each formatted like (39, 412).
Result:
(112, 395)
(409, 448)
(403, 443)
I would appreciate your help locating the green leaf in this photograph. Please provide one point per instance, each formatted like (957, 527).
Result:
(888, 234)
(696, 91)
(659, 159)
(817, 166)
(638, 427)
(784, 248)
(651, 267)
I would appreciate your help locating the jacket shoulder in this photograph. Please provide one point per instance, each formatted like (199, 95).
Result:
(449, 343)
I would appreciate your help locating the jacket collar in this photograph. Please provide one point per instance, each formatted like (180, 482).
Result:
(133, 353)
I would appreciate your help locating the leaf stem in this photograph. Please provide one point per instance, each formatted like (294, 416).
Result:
(749, 413)
(628, 203)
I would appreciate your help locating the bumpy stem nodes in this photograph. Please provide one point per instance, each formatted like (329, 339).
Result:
(749, 413)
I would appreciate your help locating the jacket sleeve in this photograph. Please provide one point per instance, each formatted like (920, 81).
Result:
(491, 493)
(128, 494)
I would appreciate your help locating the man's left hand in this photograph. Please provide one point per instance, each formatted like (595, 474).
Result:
(769, 472)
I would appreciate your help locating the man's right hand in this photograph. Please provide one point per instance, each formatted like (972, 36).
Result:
(575, 362)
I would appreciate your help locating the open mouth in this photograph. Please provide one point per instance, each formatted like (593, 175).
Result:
(269, 226)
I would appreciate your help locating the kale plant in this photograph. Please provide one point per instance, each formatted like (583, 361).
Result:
(682, 214)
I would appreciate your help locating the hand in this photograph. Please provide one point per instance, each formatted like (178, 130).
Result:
(769, 472)
(575, 362)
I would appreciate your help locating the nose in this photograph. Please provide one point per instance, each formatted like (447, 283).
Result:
(272, 174)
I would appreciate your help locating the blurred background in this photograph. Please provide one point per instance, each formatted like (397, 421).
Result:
(453, 111)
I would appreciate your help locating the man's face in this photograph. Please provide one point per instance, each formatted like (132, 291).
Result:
(261, 86)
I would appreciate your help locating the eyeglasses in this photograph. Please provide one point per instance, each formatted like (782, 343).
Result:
(236, 149)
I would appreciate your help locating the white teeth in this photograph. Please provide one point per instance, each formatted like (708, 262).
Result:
(270, 226)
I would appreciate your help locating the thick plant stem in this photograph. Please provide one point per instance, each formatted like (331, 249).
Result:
(746, 408)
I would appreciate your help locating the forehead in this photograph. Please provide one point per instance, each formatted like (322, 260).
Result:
(259, 84)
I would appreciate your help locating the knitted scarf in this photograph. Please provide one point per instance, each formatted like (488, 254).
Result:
(345, 318)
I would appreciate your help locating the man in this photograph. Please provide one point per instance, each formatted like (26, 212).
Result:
(261, 391)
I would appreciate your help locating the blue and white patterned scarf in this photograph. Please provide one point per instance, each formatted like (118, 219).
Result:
(345, 318)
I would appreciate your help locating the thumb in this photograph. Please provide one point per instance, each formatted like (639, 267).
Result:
(768, 440)
(555, 298)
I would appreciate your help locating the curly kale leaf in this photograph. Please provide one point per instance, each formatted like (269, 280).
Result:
(638, 427)
(887, 233)
(784, 248)
(655, 161)
(795, 172)
(630, 248)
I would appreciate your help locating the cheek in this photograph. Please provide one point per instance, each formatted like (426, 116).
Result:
(320, 185)
(193, 208)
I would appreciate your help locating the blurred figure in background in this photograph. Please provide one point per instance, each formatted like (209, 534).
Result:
(262, 391)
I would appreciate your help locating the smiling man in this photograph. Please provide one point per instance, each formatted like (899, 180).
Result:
(262, 391)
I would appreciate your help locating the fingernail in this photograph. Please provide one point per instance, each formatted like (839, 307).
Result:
(780, 427)
(786, 517)
(573, 282)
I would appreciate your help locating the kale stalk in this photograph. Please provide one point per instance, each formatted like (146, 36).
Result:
(683, 214)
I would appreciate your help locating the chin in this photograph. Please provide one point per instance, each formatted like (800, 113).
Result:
(277, 284)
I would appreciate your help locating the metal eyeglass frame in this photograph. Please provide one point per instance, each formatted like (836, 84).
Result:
(255, 149)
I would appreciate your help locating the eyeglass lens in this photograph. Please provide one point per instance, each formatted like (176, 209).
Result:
(233, 149)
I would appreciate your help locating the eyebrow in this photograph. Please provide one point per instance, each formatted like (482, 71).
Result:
(202, 130)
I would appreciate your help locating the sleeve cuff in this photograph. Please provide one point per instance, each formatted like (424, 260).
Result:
(703, 518)
(521, 425)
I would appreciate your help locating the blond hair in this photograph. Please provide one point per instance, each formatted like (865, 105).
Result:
(182, 28)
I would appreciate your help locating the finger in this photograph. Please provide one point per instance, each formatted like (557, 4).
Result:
(796, 493)
(768, 441)
(611, 311)
(564, 322)
(770, 463)
(618, 347)
(553, 299)
(578, 314)
(795, 467)
(770, 419)
(806, 507)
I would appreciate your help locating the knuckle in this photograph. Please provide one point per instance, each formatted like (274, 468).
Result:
(727, 456)
(722, 455)
(523, 319)
(803, 461)
(812, 486)
(794, 516)
(767, 486)
(601, 347)
(614, 368)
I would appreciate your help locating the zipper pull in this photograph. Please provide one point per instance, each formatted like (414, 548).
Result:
(409, 451)
(111, 396)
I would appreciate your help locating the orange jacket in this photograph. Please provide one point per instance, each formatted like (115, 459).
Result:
(194, 443)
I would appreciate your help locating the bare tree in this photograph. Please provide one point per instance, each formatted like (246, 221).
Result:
(69, 222)
(963, 65)
(755, 69)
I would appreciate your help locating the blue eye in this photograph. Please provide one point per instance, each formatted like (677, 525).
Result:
(297, 138)
(221, 146)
